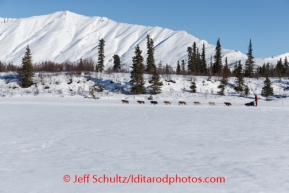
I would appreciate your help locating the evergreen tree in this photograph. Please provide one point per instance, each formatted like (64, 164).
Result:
(100, 62)
(210, 70)
(235, 69)
(249, 64)
(280, 68)
(168, 70)
(150, 56)
(222, 86)
(267, 89)
(226, 70)
(286, 66)
(194, 58)
(26, 71)
(178, 68)
(263, 70)
(193, 87)
(267, 69)
(183, 66)
(116, 62)
(224, 80)
(137, 81)
(240, 79)
(160, 68)
(246, 91)
(217, 66)
(190, 59)
(203, 60)
(155, 83)
(198, 62)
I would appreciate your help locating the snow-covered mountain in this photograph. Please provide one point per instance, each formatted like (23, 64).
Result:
(68, 36)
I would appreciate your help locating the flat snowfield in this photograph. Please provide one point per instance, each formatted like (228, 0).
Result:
(45, 138)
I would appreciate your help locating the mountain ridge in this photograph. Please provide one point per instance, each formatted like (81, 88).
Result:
(65, 35)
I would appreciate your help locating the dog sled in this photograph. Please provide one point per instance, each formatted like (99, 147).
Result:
(250, 104)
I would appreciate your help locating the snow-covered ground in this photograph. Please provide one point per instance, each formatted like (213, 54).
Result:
(116, 85)
(44, 138)
(48, 135)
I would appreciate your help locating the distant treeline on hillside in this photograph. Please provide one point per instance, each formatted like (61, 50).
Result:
(89, 65)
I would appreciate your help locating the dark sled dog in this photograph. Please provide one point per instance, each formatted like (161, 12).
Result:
(167, 102)
(182, 103)
(227, 104)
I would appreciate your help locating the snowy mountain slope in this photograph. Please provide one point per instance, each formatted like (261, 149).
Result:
(68, 36)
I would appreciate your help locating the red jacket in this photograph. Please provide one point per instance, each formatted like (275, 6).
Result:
(256, 97)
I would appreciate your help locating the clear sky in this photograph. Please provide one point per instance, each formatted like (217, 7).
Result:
(266, 22)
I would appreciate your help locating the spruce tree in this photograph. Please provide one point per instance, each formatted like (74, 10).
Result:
(155, 83)
(226, 70)
(137, 80)
(150, 56)
(239, 83)
(263, 70)
(116, 62)
(178, 68)
(183, 66)
(267, 89)
(198, 62)
(249, 64)
(26, 71)
(280, 68)
(194, 58)
(267, 69)
(100, 62)
(217, 66)
(193, 87)
(160, 68)
(210, 70)
(235, 69)
(203, 60)
(224, 80)
(246, 91)
(190, 59)
(222, 86)
(286, 66)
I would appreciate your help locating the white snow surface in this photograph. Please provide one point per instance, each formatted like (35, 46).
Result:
(44, 138)
(65, 36)
(62, 131)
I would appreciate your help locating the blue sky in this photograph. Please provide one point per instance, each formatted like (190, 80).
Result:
(233, 21)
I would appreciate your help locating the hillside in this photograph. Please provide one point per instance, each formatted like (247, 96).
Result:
(68, 36)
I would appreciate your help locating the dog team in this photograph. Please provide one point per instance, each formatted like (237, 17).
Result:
(180, 103)
(253, 103)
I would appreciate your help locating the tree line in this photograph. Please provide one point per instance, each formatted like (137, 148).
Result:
(196, 64)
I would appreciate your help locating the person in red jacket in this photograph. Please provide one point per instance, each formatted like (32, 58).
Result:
(256, 100)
